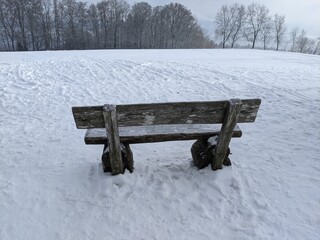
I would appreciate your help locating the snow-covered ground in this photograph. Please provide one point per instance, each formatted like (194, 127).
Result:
(52, 185)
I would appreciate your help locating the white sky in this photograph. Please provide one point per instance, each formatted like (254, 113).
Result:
(302, 13)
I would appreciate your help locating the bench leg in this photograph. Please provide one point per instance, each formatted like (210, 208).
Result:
(199, 156)
(106, 159)
(203, 151)
(111, 123)
(126, 155)
(211, 151)
(128, 158)
(226, 131)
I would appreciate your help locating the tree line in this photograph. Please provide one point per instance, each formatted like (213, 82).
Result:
(238, 25)
(113, 24)
(70, 24)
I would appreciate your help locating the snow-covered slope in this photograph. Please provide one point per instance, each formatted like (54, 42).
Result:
(52, 185)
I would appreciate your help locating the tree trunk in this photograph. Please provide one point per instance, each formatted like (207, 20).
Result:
(254, 41)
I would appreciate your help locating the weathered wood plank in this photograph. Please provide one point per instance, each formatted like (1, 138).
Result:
(165, 113)
(110, 118)
(160, 133)
(227, 128)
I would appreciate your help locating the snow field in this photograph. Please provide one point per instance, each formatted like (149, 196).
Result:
(52, 185)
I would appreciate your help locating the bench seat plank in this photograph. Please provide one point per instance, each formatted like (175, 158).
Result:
(158, 133)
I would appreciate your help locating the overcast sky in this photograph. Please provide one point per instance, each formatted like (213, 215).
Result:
(302, 13)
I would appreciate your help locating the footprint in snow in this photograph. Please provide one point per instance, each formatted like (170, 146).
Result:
(118, 181)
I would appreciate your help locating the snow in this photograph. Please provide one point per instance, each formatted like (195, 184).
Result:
(52, 185)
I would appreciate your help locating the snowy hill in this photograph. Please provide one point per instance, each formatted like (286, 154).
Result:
(52, 185)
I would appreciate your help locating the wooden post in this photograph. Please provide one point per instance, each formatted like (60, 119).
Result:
(229, 123)
(110, 119)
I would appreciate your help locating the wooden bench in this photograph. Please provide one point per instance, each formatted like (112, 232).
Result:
(118, 126)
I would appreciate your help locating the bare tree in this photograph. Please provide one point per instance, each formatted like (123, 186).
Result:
(94, 25)
(293, 37)
(311, 45)
(302, 41)
(69, 13)
(104, 13)
(179, 22)
(257, 15)
(74, 24)
(119, 10)
(82, 39)
(307, 45)
(8, 19)
(138, 19)
(266, 31)
(197, 38)
(280, 28)
(46, 23)
(156, 23)
(57, 24)
(238, 22)
(317, 47)
(35, 24)
(21, 8)
(224, 24)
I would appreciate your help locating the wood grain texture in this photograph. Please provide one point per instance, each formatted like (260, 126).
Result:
(160, 133)
(109, 114)
(165, 113)
(225, 136)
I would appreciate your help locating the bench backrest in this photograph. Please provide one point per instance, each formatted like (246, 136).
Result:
(165, 113)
